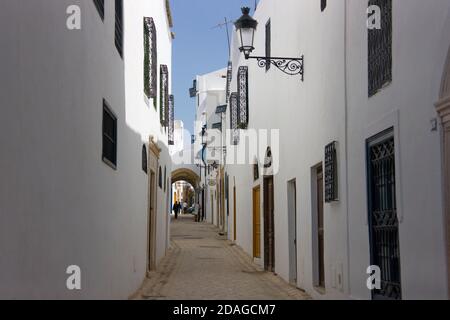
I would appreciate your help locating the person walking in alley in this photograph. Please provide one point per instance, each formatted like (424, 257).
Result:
(176, 209)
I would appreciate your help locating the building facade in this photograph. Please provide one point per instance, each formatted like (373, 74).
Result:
(351, 172)
(85, 150)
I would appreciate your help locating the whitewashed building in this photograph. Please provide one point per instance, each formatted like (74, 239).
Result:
(76, 124)
(210, 95)
(354, 177)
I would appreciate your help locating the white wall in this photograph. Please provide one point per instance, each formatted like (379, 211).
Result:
(420, 46)
(141, 116)
(322, 109)
(60, 205)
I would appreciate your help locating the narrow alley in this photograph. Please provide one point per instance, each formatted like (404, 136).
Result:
(201, 265)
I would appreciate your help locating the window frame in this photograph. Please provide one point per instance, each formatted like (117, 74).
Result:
(106, 109)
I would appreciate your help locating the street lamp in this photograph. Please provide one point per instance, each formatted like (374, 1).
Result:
(246, 27)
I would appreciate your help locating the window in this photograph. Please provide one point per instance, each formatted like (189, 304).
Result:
(160, 182)
(380, 49)
(118, 38)
(268, 44)
(234, 118)
(150, 58)
(331, 181)
(323, 5)
(144, 159)
(171, 120)
(229, 79)
(109, 153)
(383, 219)
(164, 96)
(100, 5)
(243, 97)
(255, 171)
(165, 179)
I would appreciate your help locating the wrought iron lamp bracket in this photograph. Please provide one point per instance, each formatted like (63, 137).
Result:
(290, 66)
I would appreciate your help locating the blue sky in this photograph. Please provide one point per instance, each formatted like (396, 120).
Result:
(198, 47)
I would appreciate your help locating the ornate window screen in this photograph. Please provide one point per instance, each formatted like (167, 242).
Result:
(171, 120)
(243, 97)
(380, 48)
(164, 96)
(144, 159)
(268, 43)
(331, 179)
(229, 79)
(150, 58)
(234, 118)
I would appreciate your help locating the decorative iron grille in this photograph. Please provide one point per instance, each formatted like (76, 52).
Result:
(229, 79)
(150, 58)
(118, 32)
(144, 159)
(171, 120)
(331, 176)
(234, 118)
(380, 48)
(100, 5)
(268, 44)
(164, 96)
(383, 221)
(243, 97)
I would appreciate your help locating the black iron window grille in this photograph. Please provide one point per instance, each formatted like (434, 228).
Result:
(118, 34)
(171, 120)
(150, 58)
(234, 118)
(144, 159)
(268, 43)
(323, 5)
(109, 130)
(100, 5)
(383, 220)
(255, 171)
(160, 178)
(331, 173)
(164, 96)
(380, 48)
(229, 79)
(243, 97)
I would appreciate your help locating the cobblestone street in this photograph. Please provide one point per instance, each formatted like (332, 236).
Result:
(203, 265)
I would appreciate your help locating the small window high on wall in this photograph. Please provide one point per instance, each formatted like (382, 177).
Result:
(109, 150)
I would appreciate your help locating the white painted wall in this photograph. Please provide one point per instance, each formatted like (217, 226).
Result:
(59, 203)
(322, 109)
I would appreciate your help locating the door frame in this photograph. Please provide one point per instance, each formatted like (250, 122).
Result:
(317, 258)
(153, 164)
(269, 223)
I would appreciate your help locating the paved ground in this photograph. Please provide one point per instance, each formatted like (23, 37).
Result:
(201, 265)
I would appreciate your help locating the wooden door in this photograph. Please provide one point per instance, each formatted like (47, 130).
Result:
(151, 222)
(234, 213)
(256, 223)
(269, 225)
(320, 227)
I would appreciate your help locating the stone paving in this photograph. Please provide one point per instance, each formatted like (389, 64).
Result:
(202, 265)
